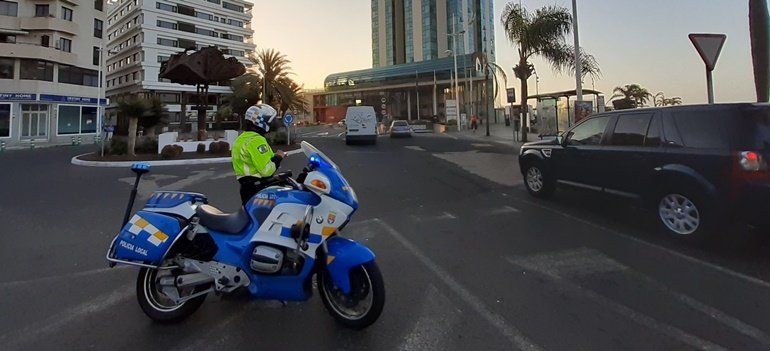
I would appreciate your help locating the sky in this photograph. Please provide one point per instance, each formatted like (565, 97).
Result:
(643, 42)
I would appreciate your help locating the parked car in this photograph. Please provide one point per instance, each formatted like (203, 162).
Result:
(400, 129)
(698, 167)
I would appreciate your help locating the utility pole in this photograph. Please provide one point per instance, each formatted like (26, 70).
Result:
(578, 61)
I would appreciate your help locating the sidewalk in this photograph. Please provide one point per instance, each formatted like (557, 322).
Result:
(498, 133)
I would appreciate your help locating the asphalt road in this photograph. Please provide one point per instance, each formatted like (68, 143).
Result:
(470, 261)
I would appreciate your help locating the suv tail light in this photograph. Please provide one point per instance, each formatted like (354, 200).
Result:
(751, 161)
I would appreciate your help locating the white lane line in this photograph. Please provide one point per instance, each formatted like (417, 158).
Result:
(413, 147)
(443, 216)
(585, 261)
(691, 259)
(481, 145)
(513, 334)
(17, 283)
(15, 339)
(436, 324)
(503, 210)
(566, 287)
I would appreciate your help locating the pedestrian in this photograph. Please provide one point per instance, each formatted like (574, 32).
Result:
(109, 129)
(474, 123)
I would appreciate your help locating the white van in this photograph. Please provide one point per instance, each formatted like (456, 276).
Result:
(361, 123)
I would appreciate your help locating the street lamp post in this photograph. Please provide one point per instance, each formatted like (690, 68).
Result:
(578, 62)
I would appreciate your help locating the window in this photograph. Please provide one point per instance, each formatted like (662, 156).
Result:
(88, 119)
(214, 1)
(162, 59)
(36, 70)
(232, 7)
(589, 132)
(702, 129)
(7, 38)
(236, 23)
(66, 13)
(204, 15)
(65, 45)
(7, 66)
(69, 119)
(98, 28)
(95, 55)
(232, 37)
(186, 27)
(165, 7)
(5, 120)
(45, 40)
(9, 8)
(134, 76)
(41, 11)
(78, 76)
(165, 24)
(169, 98)
(207, 32)
(99, 5)
(185, 10)
(631, 129)
(167, 42)
(184, 43)
(654, 133)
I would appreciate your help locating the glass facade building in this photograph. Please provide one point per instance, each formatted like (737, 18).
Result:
(412, 62)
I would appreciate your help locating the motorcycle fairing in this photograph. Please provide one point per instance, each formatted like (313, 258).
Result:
(345, 254)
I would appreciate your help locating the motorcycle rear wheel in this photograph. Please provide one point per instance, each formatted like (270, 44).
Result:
(363, 305)
(157, 305)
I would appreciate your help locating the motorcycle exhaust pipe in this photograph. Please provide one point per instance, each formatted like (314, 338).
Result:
(186, 280)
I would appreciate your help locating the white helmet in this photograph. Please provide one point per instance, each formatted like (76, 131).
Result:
(261, 115)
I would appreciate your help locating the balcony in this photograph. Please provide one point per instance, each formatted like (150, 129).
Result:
(48, 23)
(35, 51)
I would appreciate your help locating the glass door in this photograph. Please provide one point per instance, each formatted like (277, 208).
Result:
(34, 121)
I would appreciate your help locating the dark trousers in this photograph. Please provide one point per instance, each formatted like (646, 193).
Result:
(250, 186)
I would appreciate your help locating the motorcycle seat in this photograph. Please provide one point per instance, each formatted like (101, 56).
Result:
(218, 221)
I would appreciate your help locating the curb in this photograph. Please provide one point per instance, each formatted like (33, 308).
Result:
(199, 161)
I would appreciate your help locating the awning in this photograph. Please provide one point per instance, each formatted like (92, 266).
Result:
(12, 31)
(562, 94)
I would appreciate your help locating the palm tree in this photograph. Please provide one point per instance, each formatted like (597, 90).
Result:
(542, 33)
(133, 108)
(759, 21)
(290, 97)
(661, 100)
(634, 94)
(273, 67)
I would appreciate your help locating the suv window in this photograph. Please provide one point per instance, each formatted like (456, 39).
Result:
(654, 133)
(702, 129)
(631, 129)
(753, 128)
(589, 132)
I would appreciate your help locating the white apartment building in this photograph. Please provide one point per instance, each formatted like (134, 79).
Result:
(49, 70)
(144, 33)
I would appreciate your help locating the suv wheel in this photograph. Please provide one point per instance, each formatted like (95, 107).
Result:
(537, 181)
(683, 215)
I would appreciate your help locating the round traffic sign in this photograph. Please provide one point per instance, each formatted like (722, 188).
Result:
(288, 119)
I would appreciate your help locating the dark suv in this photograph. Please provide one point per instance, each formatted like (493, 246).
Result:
(696, 166)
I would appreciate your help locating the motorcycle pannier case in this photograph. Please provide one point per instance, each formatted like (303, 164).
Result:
(145, 239)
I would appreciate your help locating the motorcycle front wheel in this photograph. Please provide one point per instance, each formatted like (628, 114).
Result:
(156, 304)
(363, 305)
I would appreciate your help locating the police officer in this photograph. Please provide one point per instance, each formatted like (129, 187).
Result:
(253, 160)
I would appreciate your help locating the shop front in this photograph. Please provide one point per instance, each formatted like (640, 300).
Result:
(28, 119)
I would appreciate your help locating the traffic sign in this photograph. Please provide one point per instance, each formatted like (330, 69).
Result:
(511, 92)
(709, 47)
(287, 119)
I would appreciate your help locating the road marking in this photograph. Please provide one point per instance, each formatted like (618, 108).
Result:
(550, 266)
(513, 334)
(691, 259)
(413, 147)
(481, 145)
(62, 319)
(13, 284)
(436, 324)
(503, 210)
(443, 216)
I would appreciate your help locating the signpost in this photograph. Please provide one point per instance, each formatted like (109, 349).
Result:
(709, 47)
(287, 119)
(451, 112)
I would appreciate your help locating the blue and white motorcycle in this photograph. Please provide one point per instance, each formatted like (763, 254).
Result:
(270, 249)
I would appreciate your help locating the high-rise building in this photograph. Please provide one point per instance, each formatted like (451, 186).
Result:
(414, 73)
(49, 70)
(405, 31)
(143, 34)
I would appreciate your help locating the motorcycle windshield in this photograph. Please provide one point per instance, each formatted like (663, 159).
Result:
(340, 189)
(311, 150)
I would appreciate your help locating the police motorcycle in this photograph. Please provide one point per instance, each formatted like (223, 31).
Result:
(269, 249)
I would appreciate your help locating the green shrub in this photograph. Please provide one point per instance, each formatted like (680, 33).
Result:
(117, 146)
(219, 147)
(201, 148)
(146, 145)
(170, 152)
(178, 150)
